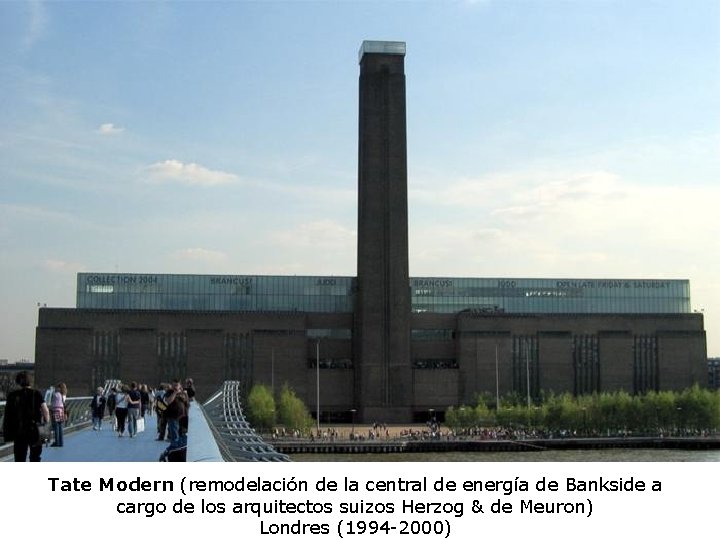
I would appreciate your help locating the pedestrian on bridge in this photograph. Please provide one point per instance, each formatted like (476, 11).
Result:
(59, 414)
(97, 407)
(160, 407)
(25, 411)
(111, 400)
(121, 409)
(144, 400)
(133, 408)
(177, 423)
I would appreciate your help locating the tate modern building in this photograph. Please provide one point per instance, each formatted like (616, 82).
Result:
(380, 346)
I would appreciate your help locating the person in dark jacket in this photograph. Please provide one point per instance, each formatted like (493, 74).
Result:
(97, 406)
(111, 402)
(189, 388)
(176, 415)
(144, 400)
(160, 407)
(25, 410)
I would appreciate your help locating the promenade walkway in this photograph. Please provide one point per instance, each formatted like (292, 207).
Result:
(218, 431)
(105, 445)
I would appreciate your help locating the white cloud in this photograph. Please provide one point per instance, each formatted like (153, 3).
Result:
(317, 247)
(579, 223)
(20, 213)
(172, 170)
(544, 187)
(38, 24)
(63, 267)
(109, 129)
(323, 234)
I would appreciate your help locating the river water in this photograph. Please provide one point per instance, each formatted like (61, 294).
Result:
(620, 454)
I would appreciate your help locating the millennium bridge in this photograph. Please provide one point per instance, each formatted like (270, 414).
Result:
(218, 431)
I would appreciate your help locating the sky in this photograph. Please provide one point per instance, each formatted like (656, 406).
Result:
(550, 139)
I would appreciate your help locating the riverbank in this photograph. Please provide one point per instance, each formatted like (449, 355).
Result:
(294, 446)
(611, 455)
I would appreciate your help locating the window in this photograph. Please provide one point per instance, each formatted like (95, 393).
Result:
(102, 289)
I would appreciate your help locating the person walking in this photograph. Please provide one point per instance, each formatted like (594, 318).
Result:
(25, 411)
(121, 409)
(133, 408)
(177, 423)
(111, 399)
(59, 414)
(160, 407)
(97, 406)
(144, 400)
(189, 388)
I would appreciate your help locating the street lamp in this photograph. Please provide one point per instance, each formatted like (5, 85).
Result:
(317, 384)
(527, 371)
(497, 381)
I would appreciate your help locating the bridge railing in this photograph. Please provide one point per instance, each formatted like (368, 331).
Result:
(78, 412)
(79, 417)
(77, 408)
(236, 439)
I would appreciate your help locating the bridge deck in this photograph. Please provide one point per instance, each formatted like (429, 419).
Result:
(87, 445)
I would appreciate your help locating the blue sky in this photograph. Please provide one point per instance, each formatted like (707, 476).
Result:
(545, 139)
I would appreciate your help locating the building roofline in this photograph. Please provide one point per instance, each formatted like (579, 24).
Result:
(381, 47)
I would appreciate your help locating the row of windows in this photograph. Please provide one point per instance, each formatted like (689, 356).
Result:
(181, 302)
(215, 284)
(336, 294)
(422, 363)
(674, 292)
(645, 364)
(553, 305)
(586, 361)
(329, 333)
(433, 334)
(330, 363)
(544, 286)
(435, 363)
(525, 369)
(339, 304)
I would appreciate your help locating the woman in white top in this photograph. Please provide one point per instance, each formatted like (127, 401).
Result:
(121, 411)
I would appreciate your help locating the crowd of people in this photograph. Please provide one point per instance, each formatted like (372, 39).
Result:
(174, 403)
(127, 406)
(169, 402)
(29, 412)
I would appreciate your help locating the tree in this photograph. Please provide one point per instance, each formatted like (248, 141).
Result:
(697, 408)
(482, 414)
(452, 418)
(465, 416)
(261, 407)
(694, 409)
(292, 412)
